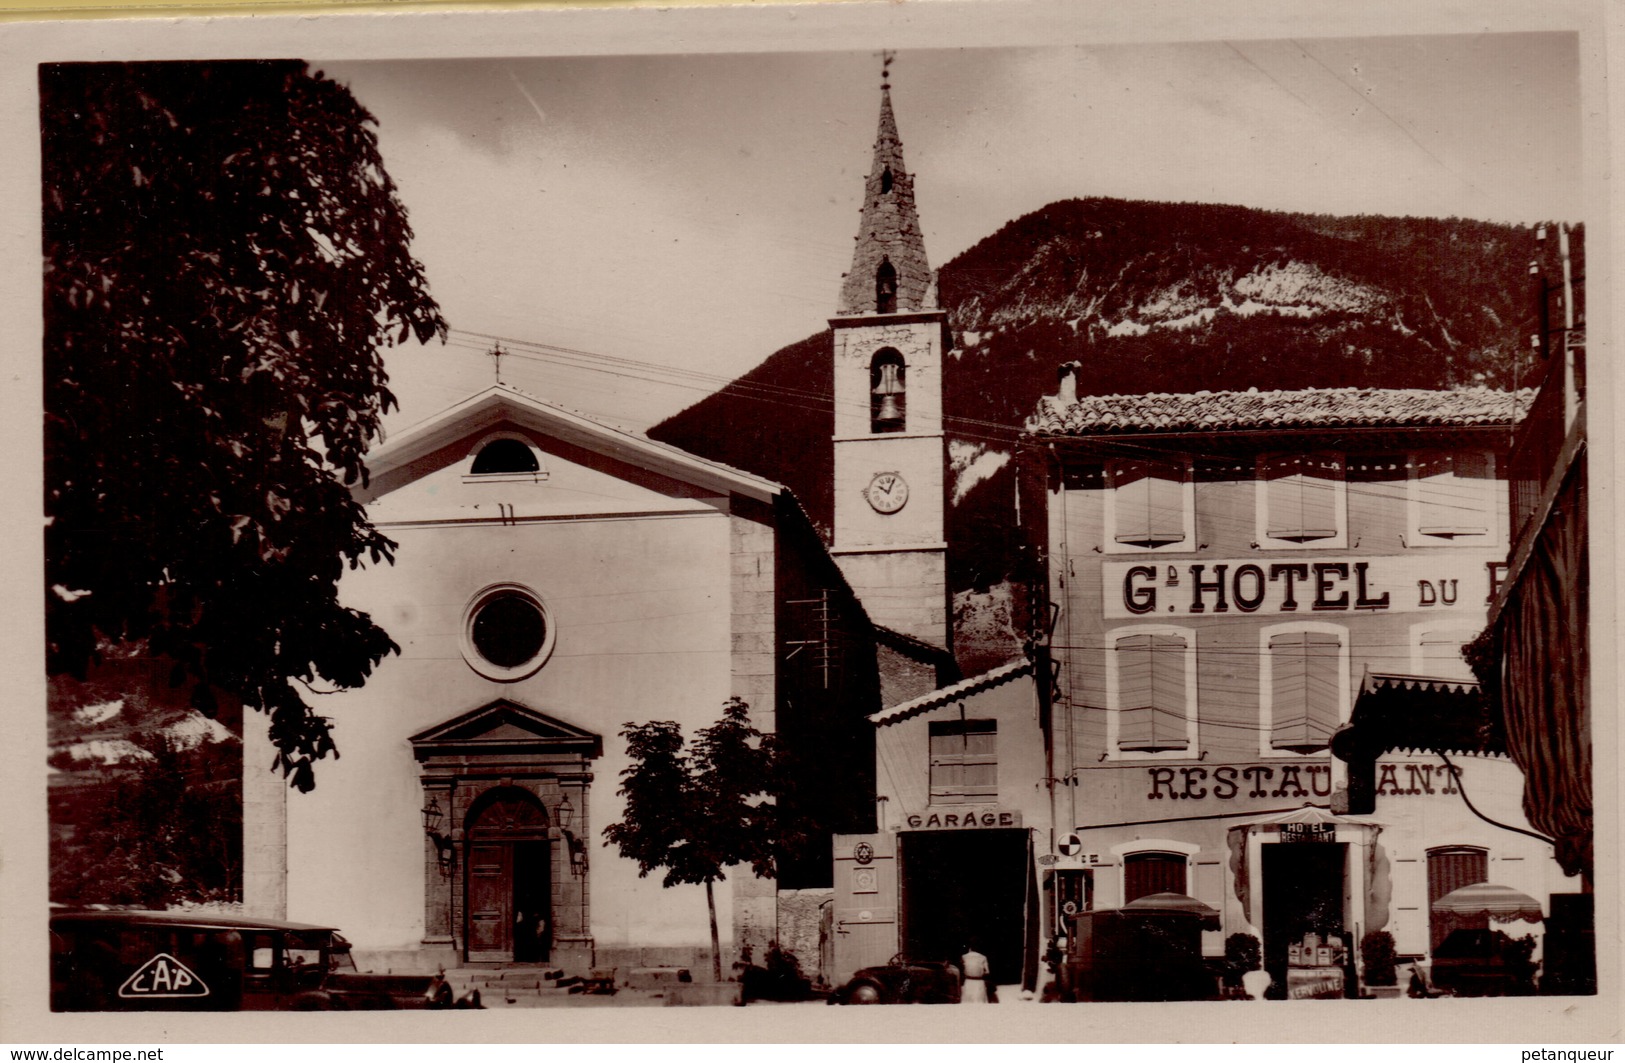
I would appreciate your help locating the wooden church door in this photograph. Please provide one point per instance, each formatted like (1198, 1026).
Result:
(507, 893)
(490, 902)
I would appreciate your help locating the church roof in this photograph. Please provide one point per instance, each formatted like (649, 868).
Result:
(1311, 408)
(890, 229)
(506, 403)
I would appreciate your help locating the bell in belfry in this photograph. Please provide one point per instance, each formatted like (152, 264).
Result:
(887, 390)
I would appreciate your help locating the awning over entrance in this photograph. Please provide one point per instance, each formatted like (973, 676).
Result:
(1416, 713)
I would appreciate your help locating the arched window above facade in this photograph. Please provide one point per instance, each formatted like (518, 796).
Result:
(885, 182)
(505, 455)
(888, 392)
(886, 288)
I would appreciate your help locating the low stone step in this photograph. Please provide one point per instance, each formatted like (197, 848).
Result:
(657, 977)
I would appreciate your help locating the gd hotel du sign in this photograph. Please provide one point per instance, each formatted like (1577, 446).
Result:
(1240, 586)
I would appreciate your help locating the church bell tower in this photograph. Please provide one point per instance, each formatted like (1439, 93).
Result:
(890, 455)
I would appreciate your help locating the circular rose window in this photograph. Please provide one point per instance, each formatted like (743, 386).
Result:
(507, 634)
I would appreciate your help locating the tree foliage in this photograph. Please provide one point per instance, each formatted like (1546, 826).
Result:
(164, 830)
(696, 814)
(224, 258)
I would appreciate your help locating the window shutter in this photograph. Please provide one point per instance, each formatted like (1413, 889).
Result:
(1304, 690)
(981, 768)
(1151, 693)
(1457, 494)
(947, 767)
(1134, 698)
(1302, 497)
(1148, 873)
(1150, 502)
(964, 761)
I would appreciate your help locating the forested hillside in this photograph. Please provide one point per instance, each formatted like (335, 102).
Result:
(1151, 297)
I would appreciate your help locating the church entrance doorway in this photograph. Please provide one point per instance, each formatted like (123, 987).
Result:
(509, 879)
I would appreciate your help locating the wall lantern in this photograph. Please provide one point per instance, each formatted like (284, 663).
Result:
(578, 848)
(444, 846)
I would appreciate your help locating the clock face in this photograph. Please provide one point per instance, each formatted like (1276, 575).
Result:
(887, 492)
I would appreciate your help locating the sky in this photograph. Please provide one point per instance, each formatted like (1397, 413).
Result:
(640, 229)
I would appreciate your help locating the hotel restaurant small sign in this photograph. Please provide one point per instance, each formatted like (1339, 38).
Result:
(963, 819)
(1308, 832)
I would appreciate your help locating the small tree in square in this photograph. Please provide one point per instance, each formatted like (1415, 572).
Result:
(697, 813)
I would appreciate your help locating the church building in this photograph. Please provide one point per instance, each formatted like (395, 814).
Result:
(556, 581)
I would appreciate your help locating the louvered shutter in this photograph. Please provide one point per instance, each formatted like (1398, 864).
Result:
(1302, 497)
(1151, 694)
(1150, 502)
(1304, 690)
(1457, 494)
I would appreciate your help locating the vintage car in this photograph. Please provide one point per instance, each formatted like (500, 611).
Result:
(1483, 963)
(902, 981)
(171, 961)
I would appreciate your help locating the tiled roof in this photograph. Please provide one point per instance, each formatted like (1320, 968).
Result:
(963, 689)
(1205, 411)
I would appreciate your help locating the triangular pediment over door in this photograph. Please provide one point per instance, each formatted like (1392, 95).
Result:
(504, 727)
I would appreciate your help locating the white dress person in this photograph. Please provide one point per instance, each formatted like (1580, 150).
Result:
(974, 965)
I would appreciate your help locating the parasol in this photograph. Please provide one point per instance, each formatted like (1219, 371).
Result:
(1503, 904)
(1173, 902)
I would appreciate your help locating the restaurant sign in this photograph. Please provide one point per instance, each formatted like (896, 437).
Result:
(962, 819)
(1230, 782)
(1368, 584)
(1308, 832)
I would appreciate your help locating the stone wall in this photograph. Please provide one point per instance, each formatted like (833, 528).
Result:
(804, 929)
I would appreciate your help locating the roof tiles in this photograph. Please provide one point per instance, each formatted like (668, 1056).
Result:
(1205, 411)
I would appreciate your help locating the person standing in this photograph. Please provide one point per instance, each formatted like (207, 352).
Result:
(974, 966)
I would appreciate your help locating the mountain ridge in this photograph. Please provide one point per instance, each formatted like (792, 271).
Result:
(1149, 297)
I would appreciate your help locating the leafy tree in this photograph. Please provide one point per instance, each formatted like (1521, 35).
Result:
(696, 815)
(161, 830)
(224, 257)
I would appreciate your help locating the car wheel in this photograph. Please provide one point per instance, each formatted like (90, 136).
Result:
(864, 993)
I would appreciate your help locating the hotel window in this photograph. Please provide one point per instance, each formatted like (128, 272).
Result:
(1301, 500)
(1454, 497)
(1449, 869)
(1151, 692)
(964, 762)
(1304, 687)
(1148, 506)
(1149, 872)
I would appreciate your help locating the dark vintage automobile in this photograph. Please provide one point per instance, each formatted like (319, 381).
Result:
(902, 981)
(1484, 963)
(170, 961)
(1129, 953)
